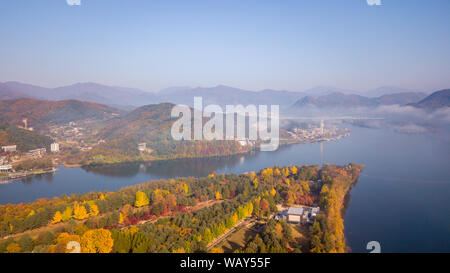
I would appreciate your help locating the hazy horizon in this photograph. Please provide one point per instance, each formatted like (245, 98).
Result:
(306, 91)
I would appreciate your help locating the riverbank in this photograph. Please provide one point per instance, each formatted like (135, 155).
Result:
(254, 148)
(20, 175)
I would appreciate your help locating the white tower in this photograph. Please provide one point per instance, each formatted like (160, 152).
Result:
(321, 126)
(54, 147)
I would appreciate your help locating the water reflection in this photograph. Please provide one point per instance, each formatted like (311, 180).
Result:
(196, 167)
(321, 153)
(172, 168)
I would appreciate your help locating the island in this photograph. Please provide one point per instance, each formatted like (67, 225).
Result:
(289, 209)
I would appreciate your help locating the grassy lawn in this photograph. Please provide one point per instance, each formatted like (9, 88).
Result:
(300, 234)
(236, 240)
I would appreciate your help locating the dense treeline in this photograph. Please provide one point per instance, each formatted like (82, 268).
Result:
(276, 238)
(125, 150)
(176, 215)
(328, 230)
(150, 124)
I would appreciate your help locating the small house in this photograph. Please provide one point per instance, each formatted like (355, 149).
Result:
(294, 215)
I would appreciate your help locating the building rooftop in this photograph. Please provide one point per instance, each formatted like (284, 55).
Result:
(295, 211)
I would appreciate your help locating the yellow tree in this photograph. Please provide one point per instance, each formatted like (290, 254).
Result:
(79, 212)
(267, 172)
(273, 192)
(277, 171)
(13, 248)
(216, 250)
(57, 218)
(132, 230)
(294, 170)
(305, 187)
(290, 198)
(255, 182)
(218, 195)
(252, 175)
(267, 175)
(249, 208)
(67, 214)
(179, 250)
(97, 241)
(182, 188)
(93, 209)
(288, 182)
(234, 219)
(141, 199)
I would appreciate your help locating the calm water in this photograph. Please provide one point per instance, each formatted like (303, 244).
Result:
(402, 199)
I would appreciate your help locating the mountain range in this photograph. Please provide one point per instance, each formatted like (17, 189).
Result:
(130, 98)
(340, 100)
(434, 101)
(92, 92)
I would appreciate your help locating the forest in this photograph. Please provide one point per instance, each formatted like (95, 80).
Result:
(184, 214)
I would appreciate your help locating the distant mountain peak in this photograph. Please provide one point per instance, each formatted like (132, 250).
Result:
(341, 100)
(436, 100)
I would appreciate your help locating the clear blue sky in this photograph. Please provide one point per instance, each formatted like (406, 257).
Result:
(257, 44)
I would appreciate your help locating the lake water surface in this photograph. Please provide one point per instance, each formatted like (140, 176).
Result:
(402, 199)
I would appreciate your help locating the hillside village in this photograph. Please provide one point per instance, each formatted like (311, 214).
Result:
(109, 136)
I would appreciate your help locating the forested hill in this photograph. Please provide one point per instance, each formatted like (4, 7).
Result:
(150, 124)
(40, 113)
(435, 101)
(144, 123)
(24, 139)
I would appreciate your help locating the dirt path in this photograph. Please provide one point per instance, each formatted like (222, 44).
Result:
(51, 227)
(199, 205)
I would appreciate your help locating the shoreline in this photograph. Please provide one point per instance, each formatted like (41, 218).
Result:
(19, 175)
(253, 149)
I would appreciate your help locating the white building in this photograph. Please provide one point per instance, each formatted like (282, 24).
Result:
(315, 211)
(294, 215)
(37, 152)
(245, 142)
(10, 148)
(54, 147)
(302, 215)
(5, 168)
(142, 146)
(242, 142)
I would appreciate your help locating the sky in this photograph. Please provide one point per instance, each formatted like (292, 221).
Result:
(251, 44)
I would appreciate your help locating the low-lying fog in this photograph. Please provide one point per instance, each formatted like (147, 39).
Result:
(403, 119)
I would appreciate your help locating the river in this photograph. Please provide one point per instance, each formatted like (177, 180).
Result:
(402, 199)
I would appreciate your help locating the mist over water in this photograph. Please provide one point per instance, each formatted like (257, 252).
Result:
(401, 200)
